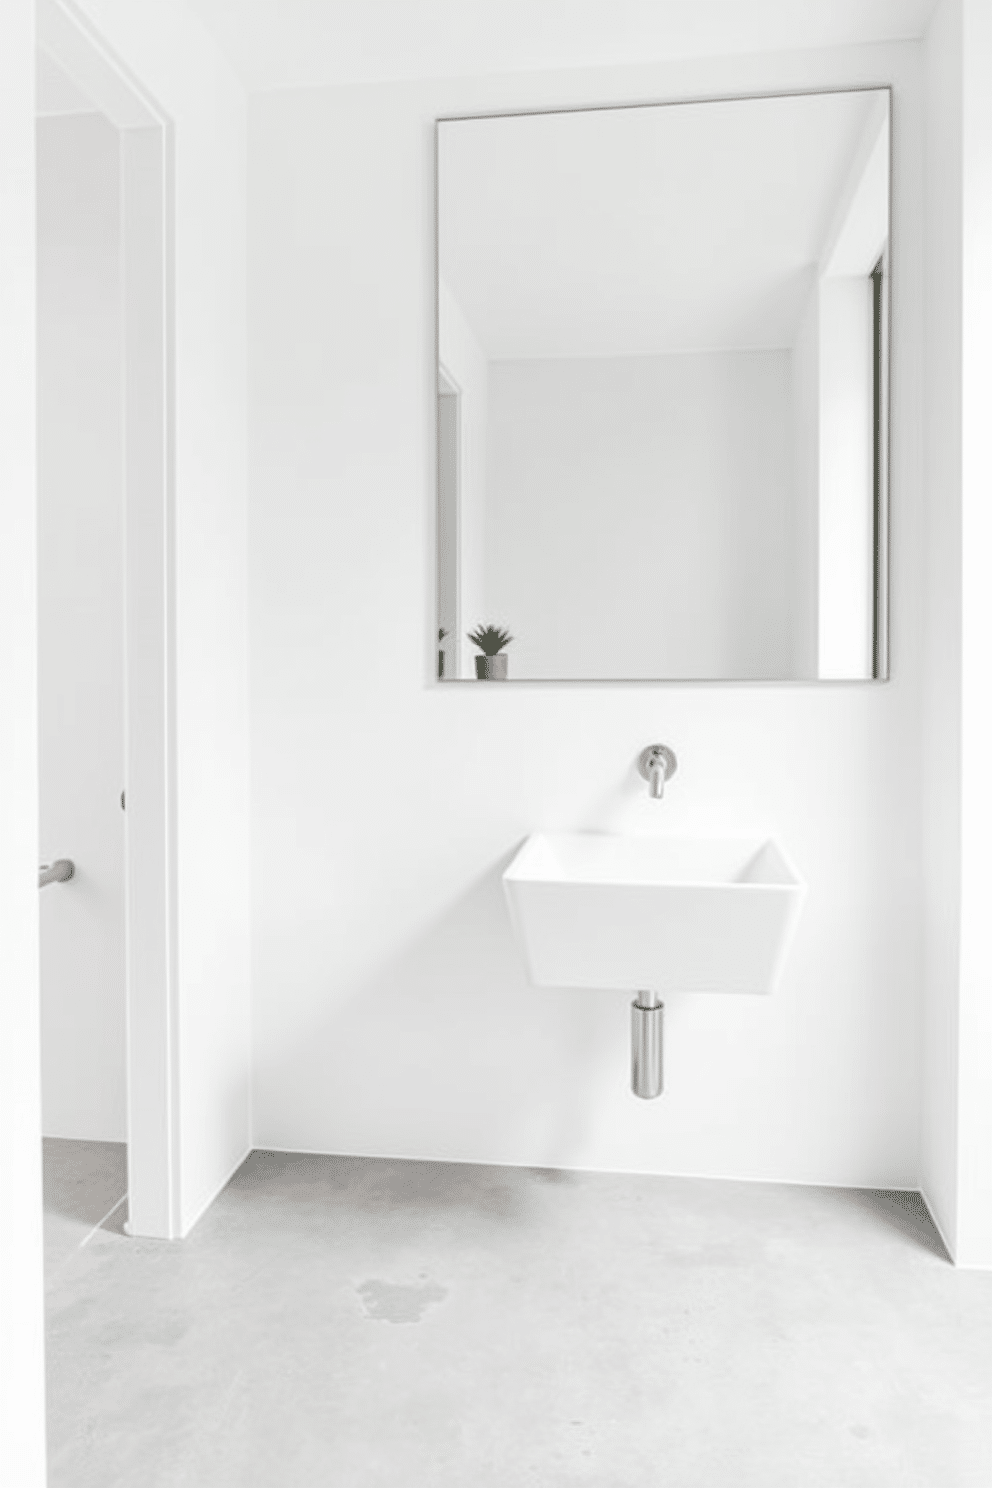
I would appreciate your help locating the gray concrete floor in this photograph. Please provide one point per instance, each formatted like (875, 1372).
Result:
(374, 1324)
(85, 1186)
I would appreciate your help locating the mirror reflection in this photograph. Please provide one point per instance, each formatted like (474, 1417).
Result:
(662, 385)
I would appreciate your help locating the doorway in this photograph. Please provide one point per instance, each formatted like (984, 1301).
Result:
(106, 627)
(448, 484)
(80, 661)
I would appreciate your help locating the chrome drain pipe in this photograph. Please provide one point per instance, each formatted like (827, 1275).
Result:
(647, 1012)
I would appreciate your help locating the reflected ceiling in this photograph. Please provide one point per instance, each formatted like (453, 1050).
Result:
(618, 232)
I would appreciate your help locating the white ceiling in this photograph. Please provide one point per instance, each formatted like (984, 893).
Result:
(618, 232)
(295, 43)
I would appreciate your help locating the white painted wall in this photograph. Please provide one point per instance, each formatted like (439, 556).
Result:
(957, 1104)
(942, 634)
(81, 625)
(975, 1097)
(22, 1364)
(638, 515)
(173, 56)
(391, 1014)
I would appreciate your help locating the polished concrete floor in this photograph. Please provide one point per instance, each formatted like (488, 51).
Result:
(350, 1323)
(85, 1189)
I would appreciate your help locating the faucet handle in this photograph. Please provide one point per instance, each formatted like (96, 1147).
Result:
(657, 763)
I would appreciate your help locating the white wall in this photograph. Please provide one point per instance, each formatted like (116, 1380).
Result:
(942, 715)
(975, 1017)
(391, 1014)
(81, 625)
(957, 1104)
(22, 1365)
(638, 515)
(173, 56)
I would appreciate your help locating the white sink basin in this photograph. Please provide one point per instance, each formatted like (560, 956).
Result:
(663, 914)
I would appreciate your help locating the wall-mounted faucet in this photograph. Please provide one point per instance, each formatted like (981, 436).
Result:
(657, 763)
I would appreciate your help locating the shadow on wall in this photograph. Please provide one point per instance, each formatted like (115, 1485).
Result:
(398, 1067)
(905, 1212)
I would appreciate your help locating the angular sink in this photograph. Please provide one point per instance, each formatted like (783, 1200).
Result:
(666, 914)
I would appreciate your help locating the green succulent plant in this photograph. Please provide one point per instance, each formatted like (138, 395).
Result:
(490, 639)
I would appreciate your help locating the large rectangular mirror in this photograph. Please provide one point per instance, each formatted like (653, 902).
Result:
(662, 391)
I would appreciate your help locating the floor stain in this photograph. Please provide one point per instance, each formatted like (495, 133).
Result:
(391, 1302)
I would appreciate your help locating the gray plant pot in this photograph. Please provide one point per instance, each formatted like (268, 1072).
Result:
(491, 668)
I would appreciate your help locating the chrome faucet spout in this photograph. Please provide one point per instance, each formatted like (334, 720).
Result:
(657, 764)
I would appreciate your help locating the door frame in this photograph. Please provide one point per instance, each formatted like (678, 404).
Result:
(447, 387)
(147, 241)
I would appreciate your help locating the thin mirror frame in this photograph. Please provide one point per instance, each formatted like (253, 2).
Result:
(882, 504)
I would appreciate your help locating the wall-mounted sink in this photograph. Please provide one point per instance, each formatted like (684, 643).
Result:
(670, 914)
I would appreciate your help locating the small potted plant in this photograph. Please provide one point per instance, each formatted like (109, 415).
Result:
(490, 639)
(441, 633)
